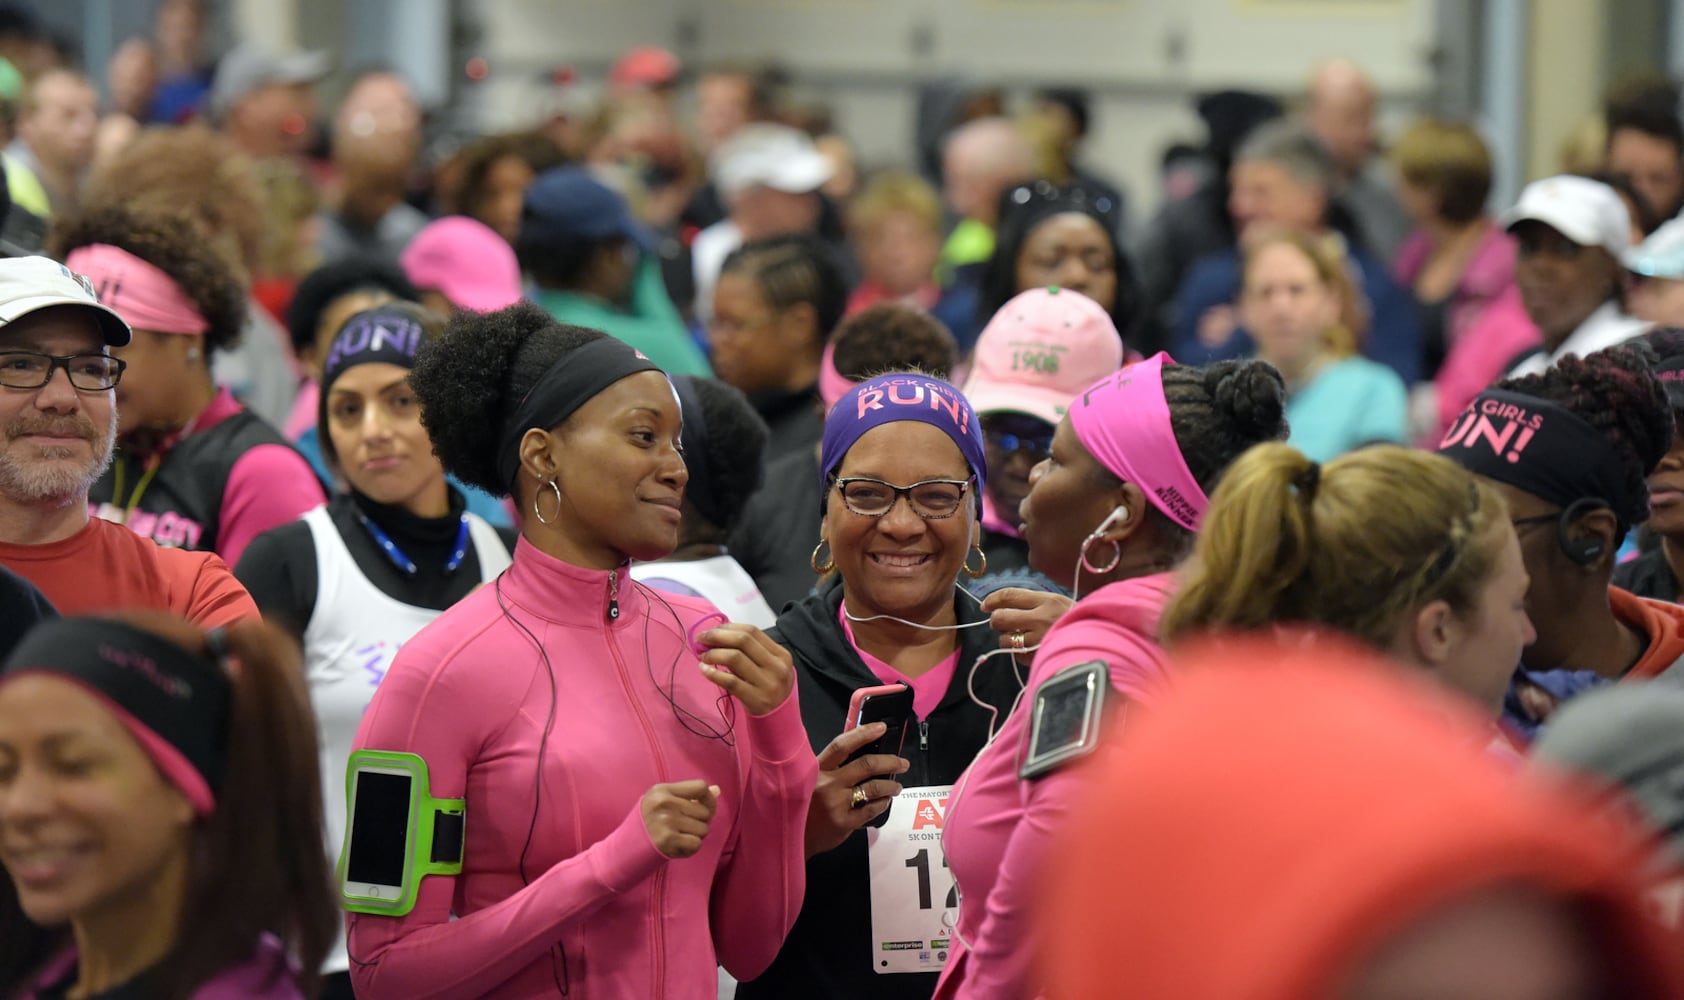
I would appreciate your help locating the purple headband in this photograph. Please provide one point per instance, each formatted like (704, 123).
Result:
(1123, 421)
(888, 398)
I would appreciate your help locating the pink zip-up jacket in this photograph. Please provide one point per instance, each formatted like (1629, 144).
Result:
(999, 827)
(599, 910)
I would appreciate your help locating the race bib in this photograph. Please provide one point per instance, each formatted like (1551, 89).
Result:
(914, 901)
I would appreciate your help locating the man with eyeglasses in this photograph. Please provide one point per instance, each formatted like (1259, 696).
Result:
(58, 425)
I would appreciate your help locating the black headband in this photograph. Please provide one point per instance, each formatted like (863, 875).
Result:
(569, 384)
(182, 698)
(1536, 446)
(699, 491)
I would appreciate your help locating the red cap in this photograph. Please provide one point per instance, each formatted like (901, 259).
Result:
(645, 66)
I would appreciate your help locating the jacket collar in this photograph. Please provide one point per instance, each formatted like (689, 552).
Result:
(563, 594)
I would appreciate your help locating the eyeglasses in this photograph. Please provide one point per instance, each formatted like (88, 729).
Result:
(1037, 447)
(932, 499)
(88, 372)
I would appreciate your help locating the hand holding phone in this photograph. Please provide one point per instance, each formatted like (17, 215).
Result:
(890, 704)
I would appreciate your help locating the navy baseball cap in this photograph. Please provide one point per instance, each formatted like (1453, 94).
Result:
(567, 205)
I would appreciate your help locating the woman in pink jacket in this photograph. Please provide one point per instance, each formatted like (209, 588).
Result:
(1109, 515)
(634, 817)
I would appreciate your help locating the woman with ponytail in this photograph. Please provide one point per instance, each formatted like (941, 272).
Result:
(1109, 516)
(159, 795)
(1399, 549)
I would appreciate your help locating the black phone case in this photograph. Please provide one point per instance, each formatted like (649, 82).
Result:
(896, 710)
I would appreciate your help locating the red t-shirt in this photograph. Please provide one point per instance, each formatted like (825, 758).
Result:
(107, 567)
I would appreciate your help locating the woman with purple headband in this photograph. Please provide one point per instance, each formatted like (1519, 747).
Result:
(901, 474)
(1109, 516)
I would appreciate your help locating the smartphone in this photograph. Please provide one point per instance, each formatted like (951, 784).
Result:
(890, 704)
(382, 803)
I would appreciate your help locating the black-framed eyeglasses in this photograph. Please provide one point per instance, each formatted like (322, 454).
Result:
(1036, 446)
(87, 372)
(932, 499)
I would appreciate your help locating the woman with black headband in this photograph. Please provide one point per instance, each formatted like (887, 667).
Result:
(596, 729)
(353, 580)
(1569, 450)
(158, 795)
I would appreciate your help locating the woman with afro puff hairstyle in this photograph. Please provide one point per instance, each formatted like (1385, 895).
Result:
(597, 729)
(1570, 449)
(193, 468)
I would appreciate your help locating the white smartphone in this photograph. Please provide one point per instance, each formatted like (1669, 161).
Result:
(381, 819)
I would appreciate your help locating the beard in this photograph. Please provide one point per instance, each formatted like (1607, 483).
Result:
(55, 474)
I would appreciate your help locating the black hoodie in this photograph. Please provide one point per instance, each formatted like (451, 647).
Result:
(828, 954)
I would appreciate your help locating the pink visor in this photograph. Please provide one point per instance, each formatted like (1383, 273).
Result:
(1123, 422)
(146, 297)
(832, 385)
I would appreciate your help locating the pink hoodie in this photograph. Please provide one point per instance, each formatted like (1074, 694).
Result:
(999, 827)
(599, 909)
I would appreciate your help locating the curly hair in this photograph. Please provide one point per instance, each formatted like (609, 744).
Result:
(176, 245)
(470, 379)
(192, 170)
(1217, 412)
(1616, 392)
(476, 160)
(735, 442)
(889, 337)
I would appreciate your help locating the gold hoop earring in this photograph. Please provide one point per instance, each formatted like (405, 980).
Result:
(976, 573)
(538, 513)
(829, 562)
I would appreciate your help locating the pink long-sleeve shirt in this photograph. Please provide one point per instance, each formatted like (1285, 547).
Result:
(999, 826)
(600, 909)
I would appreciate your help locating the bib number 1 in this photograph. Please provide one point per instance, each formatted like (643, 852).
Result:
(914, 899)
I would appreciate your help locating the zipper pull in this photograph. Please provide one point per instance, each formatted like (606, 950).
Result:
(923, 735)
(613, 595)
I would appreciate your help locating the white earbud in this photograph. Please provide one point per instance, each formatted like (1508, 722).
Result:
(1118, 515)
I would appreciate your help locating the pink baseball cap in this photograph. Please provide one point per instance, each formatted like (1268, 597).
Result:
(466, 261)
(1040, 350)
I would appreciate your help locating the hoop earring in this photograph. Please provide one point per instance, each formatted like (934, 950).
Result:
(975, 574)
(813, 561)
(1116, 557)
(539, 514)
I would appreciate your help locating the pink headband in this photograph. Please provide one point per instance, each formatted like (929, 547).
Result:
(1123, 421)
(832, 385)
(146, 297)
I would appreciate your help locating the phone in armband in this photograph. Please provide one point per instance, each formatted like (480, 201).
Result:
(396, 833)
(1066, 717)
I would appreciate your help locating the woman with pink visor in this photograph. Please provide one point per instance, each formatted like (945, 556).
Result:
(1110, 514)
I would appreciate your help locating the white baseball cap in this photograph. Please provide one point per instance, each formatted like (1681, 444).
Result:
(774, 156)
(1590, 213)
(30, 284)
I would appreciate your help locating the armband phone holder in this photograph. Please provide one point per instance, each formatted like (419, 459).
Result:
(396, 833)
(1065, 718)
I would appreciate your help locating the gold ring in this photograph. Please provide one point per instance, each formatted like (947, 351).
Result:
(1017, 641)
(860, 798)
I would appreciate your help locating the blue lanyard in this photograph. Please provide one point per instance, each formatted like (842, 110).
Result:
(406, 564)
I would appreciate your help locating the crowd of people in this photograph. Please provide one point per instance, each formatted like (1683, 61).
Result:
(1277, 596)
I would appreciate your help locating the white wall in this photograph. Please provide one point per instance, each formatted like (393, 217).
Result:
(1141, 58)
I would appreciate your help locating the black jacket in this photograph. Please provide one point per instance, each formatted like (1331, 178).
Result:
(779, 527)
(828, 954)
(1649, 576)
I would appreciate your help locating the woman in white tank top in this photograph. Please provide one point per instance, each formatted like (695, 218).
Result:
(355, 579)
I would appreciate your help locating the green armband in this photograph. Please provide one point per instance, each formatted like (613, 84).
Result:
(396, 833)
